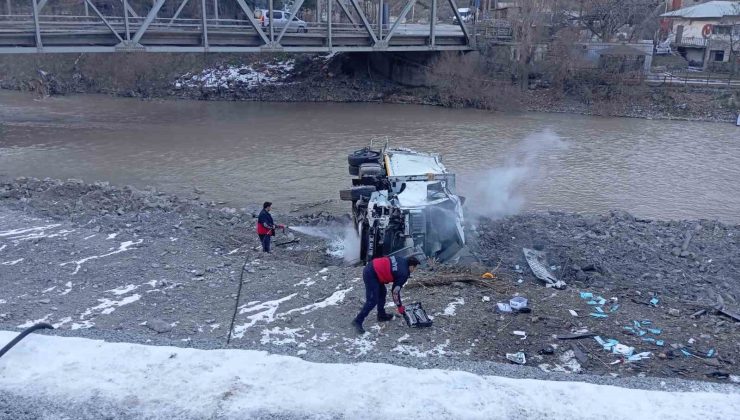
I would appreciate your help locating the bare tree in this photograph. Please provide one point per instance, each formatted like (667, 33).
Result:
(531, 25)
(603, 18)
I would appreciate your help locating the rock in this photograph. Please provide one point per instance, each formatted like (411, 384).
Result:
(199, 273)
(674, 312)
(459, 285)
(44, 301)
(159, 326)
(676, 251)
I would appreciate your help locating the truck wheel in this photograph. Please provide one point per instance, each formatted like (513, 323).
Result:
(354, 170)
(357, 193)
(370, 170)
(361, 156)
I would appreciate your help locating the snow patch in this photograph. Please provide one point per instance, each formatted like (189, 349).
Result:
(438, 350)
(305, 282)
(335, 299)
(14, 262)
(249, 76)
(451, 308)
(112, 236)
(30, 323)
(107, 306)
(360, 346)
(239, 384)
(68, 289)
(123, 289)
(265, 312)
(121, 248)
(281, 336)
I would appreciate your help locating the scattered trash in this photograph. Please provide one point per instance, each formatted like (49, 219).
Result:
(660, 343)
(728, 313)
(639, 356)
(518, 303)
(698, 313)
(519, 358)
(586, 295)
(598, 315)
(623, 349)
(579, 353)
(575, 336)
(718, 375)
(547, 351)
(654, 301)
(537, 262)
(503, 307)
(655, 331)
(674, 312)
(599, 309)
(522, 334)
(486, 299)
(692, 341)
(574, 313)
(518, 270)
(488, 276)
(614, 308)
(520, 281)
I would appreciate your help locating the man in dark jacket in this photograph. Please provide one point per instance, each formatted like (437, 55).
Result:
(376, 275)
(266, 227)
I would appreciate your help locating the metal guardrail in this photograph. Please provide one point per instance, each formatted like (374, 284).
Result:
(718, 81)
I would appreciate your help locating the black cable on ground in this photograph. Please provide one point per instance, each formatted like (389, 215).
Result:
(21, 336)
(238, 296)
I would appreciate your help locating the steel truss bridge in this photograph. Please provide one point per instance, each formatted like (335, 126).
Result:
(103, 26)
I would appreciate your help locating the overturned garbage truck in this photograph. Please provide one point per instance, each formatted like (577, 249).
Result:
(404, 203)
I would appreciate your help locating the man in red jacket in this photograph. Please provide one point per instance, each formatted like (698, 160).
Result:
(266, 226)
(376, 275)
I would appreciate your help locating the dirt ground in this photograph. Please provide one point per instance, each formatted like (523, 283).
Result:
(144, 266)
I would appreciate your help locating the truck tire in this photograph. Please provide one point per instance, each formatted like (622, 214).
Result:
(370, 169)
(358, 157)
(357, 193)
(354, 170)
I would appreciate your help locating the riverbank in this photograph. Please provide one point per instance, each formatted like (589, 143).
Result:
(123, 264)
(337, 78)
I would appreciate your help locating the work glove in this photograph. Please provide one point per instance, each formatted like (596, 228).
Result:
(401, 310)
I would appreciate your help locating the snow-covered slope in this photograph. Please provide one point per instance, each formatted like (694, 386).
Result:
(171, 382)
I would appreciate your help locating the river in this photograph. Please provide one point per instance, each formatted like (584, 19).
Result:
(293, 153)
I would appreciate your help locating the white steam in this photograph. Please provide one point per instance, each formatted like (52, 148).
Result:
(344, 242)
(498, 192)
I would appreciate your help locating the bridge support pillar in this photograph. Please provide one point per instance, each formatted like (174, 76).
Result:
(410, 69)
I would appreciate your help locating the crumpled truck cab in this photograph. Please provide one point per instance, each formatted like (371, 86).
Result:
(404, 203)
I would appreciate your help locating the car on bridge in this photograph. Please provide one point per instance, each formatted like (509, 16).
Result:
(281, 19)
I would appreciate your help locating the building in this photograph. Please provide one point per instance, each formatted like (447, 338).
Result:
(707, 34)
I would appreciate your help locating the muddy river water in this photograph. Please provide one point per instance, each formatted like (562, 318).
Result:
(296, 153)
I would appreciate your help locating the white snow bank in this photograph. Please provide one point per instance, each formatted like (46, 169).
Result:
(171, 382)
(251, 76)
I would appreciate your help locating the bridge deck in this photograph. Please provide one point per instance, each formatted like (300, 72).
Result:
(32, 30)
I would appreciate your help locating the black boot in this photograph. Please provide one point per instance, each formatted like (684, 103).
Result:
(358, 327)
(384, 317)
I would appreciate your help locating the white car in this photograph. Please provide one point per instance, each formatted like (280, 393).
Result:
(466, 14)
(282, 18)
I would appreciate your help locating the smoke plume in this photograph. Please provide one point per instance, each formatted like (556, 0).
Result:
(497, 192)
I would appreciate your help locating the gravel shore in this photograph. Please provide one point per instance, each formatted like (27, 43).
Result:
(122, 264)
